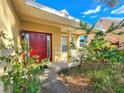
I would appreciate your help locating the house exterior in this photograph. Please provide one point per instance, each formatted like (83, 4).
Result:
(47, 31)
(104, 24)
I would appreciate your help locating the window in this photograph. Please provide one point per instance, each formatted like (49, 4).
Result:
(64, 43)
(48, 46)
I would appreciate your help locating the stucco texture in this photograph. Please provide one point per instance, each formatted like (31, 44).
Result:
(9, 22)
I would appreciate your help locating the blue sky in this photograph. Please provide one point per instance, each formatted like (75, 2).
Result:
(86, 10)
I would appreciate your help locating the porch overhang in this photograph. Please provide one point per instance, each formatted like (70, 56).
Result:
(32, 11)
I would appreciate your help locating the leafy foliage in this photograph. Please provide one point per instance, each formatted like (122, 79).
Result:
(103, 62)
(108, 62)
(23, 73)
(98, 33)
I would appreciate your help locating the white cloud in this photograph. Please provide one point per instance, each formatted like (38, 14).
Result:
(93, 11)
(118, 11)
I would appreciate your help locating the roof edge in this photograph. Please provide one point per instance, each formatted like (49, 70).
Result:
(50, 10)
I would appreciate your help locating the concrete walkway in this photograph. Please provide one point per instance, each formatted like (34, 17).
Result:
(51, 84)
(57, 66)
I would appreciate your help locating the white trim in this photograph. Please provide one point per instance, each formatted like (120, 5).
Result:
(50, 10)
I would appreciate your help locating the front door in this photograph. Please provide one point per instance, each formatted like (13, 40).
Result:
(38, 43)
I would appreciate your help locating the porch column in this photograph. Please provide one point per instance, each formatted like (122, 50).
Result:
(69, 43)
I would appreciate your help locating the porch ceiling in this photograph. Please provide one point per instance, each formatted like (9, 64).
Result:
(29, 10)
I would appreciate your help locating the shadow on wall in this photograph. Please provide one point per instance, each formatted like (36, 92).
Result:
(9, 24)
(9, 21)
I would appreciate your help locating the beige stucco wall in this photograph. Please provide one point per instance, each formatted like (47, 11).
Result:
(9, 22)
(56, 36)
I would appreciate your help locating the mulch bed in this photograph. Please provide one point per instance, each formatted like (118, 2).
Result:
(76, 83)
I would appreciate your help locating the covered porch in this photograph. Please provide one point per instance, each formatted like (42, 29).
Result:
(38, 18)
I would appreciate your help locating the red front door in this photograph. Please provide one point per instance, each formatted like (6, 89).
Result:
(38, 44)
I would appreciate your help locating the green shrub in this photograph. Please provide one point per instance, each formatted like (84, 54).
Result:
(23, 73)
(106, 68)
